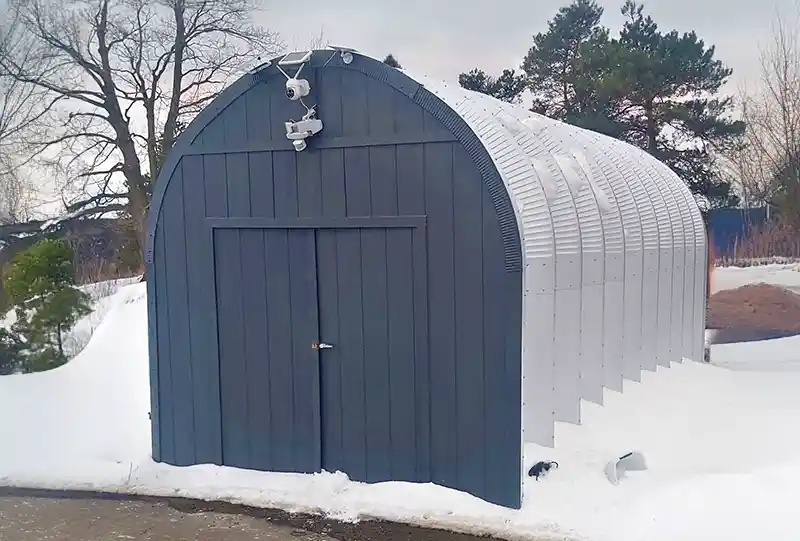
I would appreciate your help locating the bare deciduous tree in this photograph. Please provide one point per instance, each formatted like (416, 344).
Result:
(13, 199)
(128, 74)
(22, 108)
(316, 42)
(766, 162)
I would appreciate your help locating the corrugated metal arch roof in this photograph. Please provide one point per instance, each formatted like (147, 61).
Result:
(625, 183)
(583, 216)
(395, 78)
(593, 212)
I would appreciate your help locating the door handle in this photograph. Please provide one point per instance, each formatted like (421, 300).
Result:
(321, 345)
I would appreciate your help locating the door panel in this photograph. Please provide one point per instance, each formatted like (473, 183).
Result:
(376, 316)
(232, 341)
(269, 373)
(303, 306)
(339, 274)
(360, 407)
(405, 279)
(366, 307)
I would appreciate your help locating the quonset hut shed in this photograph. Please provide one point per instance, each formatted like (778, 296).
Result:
(409, 289)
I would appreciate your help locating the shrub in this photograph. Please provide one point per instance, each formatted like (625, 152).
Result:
(770, 242)
(11, 347)
(41, 286)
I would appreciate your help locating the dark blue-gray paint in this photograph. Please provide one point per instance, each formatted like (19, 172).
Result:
(391, 236)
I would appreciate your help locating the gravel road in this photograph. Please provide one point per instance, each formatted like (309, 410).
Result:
(44, 515)
(40, 519)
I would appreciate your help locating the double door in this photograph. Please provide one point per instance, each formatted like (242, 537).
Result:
(323, 348)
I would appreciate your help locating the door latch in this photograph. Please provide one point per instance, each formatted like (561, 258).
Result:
(321, 345)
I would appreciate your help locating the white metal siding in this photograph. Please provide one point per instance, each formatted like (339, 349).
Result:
(640, 255)
(661, 297)
(527, 186)
(583, 305)
(547, 158)
(670, 340)
(621, 215)
(615, 257)
(697, 245)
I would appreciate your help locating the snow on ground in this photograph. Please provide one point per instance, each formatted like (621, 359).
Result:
(720, 445)
(786, 275)
(83, 421)
(102, 300)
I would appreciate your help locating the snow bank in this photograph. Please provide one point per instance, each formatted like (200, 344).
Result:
(719, 443)
(708, 435)
(786, 275)
(86, 419)
(102, 299)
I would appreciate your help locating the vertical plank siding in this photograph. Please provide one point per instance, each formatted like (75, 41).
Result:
(433, 394)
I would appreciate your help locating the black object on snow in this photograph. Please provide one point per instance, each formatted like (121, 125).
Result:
(542, 468)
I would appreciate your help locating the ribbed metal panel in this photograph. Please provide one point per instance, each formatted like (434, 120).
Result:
(666, 214)
(635, 313)
(657, 262)
(610, 216)
(647, 211)
(585, 173)
(495, 184)
(679, 285)
(608, 239)
(622, 227)
(623, 217)
(640, 264)
(548, 392)
(593, 204)
(578, 306)
(657, 195)
(682, 231)
(684, 256)
(690, 277)
(567, 304)
(624, 193)
(542, 151)
(689, 274)
(671, 271)
(592, 240)
(701, 279)
(524, 185)
(695, 334)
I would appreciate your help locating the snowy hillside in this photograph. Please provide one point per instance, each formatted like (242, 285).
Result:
(102, 298)
(721, 446)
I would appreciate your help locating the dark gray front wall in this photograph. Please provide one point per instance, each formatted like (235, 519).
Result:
(430, 304)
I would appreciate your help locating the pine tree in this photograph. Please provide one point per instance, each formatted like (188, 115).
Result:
(41, 286)
(392, 61)
(567, 66)
(507, 87)
(658, 91)
(11, 348)
(671, 84)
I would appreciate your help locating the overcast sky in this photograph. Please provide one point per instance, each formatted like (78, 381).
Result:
(442, 38)
(445, 37)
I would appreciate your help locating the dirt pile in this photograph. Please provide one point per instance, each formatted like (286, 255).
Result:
(755, 307)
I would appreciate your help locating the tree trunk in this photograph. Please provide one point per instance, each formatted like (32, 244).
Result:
(59, 341)
(138, 207)
(652, 128)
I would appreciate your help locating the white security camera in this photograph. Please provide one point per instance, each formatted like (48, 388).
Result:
(298, 132)
(297, 88)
